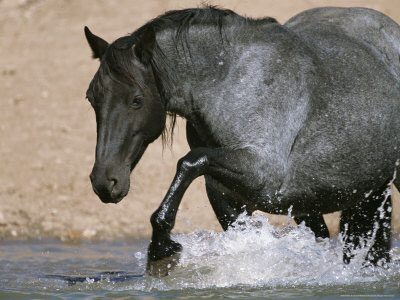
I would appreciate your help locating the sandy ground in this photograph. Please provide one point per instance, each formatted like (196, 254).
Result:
(47, 129)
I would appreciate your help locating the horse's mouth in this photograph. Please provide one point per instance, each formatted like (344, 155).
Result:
(112, 200)
(108, 198)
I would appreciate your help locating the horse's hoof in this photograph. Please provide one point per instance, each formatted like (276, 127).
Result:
(163, 257)
(162, 267)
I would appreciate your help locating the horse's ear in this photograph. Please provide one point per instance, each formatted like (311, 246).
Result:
(98, 45)
(145, 45)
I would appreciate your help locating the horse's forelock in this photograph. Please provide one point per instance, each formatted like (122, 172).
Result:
(124, 43)
(119, 59)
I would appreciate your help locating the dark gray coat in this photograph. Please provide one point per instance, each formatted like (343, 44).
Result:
(299, 117)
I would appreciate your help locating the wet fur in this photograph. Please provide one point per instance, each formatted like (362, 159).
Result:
(300, 116)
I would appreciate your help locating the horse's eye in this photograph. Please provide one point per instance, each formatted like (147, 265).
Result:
(137, 101)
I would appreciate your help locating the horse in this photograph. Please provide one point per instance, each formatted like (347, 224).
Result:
(300, 117)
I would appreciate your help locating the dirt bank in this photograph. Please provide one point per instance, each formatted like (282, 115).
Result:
(47, 129)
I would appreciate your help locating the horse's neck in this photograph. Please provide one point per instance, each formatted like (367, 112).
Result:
(191, 62)
(201, 58)
(230, 91)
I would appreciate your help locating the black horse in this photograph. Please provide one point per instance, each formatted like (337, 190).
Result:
(301, 116)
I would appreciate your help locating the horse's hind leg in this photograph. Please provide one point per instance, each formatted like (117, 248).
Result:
(368, 223)
(316, 223)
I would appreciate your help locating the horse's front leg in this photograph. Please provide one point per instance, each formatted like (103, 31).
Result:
(163, 253)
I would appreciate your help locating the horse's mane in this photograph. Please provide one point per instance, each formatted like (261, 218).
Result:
(119, 60)
(182, 19)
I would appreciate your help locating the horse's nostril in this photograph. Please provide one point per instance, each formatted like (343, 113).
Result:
(113, 185)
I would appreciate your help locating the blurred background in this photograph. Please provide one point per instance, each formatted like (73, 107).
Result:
(48, 132)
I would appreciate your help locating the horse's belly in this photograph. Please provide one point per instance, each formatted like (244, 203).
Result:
(332, 173)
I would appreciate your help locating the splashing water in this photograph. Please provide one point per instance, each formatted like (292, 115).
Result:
(253, 253)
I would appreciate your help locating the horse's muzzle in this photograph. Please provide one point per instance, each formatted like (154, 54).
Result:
(110, 189)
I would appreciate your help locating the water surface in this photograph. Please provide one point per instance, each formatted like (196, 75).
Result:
(246, 262)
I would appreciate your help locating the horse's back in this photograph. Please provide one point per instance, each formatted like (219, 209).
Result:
(368, 26)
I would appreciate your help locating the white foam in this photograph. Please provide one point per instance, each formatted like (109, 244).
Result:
(257, 254)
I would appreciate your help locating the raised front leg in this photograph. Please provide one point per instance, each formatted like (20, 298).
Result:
(163, 253)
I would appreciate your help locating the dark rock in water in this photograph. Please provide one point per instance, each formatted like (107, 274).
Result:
(110, 276)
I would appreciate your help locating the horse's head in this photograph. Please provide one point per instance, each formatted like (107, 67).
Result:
(129, 111)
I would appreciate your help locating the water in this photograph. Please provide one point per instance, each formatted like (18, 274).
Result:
(254, 260)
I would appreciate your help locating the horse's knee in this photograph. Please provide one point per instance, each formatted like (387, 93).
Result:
(184, 165)
(194, 162)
